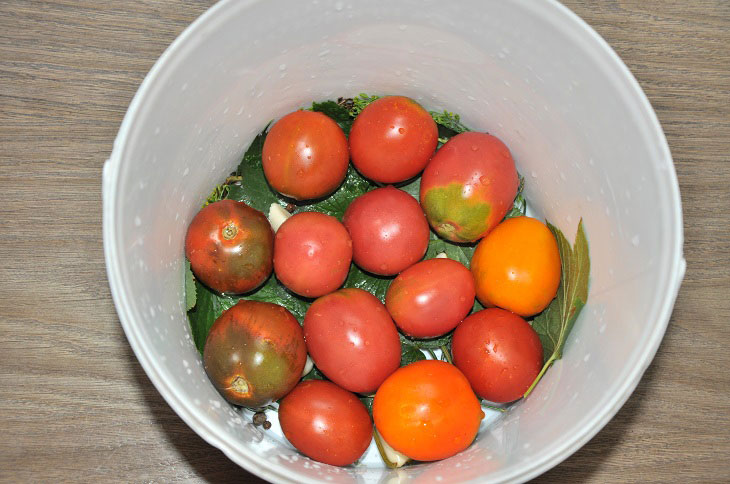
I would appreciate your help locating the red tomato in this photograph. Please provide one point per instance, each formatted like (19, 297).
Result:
(305, 155)
(255, 353)
(352, 340)
(430, 298)
(468, 186)
(392, 139)
(388, 229)
(325, 422)
(499, 353)
(427, 411)
(230, 247)
(312, 254)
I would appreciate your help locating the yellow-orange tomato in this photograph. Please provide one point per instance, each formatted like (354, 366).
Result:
(427, 410)
(517, 266)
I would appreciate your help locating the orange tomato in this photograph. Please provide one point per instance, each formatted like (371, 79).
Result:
(427, 410)
(517, 266)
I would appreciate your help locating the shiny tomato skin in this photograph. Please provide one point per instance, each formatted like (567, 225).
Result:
(352, 340)
(427, 410)
(312, 254)
(517, 266)
(388, 229)
(255, 353)
(431, 297)
(499, 353)
(392, 139)
(305, 155)
(468, 186)
(325, 422)
(230, 247)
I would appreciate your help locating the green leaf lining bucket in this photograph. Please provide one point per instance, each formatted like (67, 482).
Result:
(532, 73)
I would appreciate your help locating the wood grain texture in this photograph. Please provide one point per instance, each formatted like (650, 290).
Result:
(74, 403)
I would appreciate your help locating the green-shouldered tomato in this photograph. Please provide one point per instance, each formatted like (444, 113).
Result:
(468, 186)
(255, 353)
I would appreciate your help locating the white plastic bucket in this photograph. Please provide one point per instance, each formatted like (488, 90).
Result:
(530, 72)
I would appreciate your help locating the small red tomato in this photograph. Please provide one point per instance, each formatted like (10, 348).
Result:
(392, 139)
(230, 247)
(325, 422)
(499, 353)
(305, 155)
(388, 229)
(352, 340)
(430, 298)
(312, 254)
(254, 353)
(468, 186)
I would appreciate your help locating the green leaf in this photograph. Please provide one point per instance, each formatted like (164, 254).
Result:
(410, 353)
(449, 123)
(253, 187)
(458, 252)
(208, 307)
(359, 103)
(189, 287)
(375, 285)
(274, 292)
(555, 323)
(519, 206)
(338, 113)
(368, 402)
(413, 188)
(314, 374)
(336, 204)
(422, 344)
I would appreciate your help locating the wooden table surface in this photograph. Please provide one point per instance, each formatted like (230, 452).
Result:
(74, 403)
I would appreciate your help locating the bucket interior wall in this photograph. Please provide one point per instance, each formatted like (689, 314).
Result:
(574, 122)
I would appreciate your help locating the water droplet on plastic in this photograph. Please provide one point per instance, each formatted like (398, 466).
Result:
(635, 240)
(282, 67)
(533, 174)
(562, 176)
(402, 27)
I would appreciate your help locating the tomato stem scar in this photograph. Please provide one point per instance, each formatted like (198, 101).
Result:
(240, 385)
(230, 231)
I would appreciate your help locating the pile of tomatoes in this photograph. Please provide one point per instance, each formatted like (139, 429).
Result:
(256, 352)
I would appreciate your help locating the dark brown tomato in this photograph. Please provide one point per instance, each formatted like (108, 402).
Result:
(388, 229)
(230, 247)
(498, 352)
(305, 155)
(255, 353)
(312, 254)
(431, 297)
(468, 186)
(325, 422)
(352, 340)
(392, 139)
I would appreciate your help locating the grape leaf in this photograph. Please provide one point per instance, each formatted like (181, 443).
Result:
(208, 307)
(190, 293)
(336, 204)
(519, 206)
(410, 353)
(253, 187)
(314, 374)
(375, 285)
(338, 113)
(555, 323)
